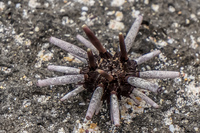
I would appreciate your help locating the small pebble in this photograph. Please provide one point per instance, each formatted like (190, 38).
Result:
(61, 130)
(171, 128)
(155, 7)
(33, 3)
(117, 3)
(86, 2)
(115, 25)
(2, 6)
(119, 16)
(171, 9)
(193, 17)
(84, 8)
(37, 29)
(196, 129)
(146, 2)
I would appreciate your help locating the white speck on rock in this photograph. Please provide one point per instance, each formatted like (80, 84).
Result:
(42, 99)
(66, 20)
(158, 43)
(42, 56)
(84, 8)
(168, 120)
(82, 104)
(146, 2)
(51, 127)
(25, 14)
(117, 3)
(20, 40)
(46, 4)
(198, 39)
(87, 125)
(155, 7)
(193, 44)
(86, 2)
(18, 5)
(161, 43)
(187, 21)
(119, 16)
(22, 131)
(131, 0)
(171, 128)
(193, 17)
(1, 28)
(61, 130)
(170, 40)
(175, 25)
(2, 6)
(37, 29)
(110, 12)
(180, 102)
(193, 93)
(26, 103)
(135, 13)
(196, 129)
(33, 3)
(115, 25)
(171, 9)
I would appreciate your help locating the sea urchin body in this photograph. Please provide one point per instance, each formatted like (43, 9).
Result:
(108, 76)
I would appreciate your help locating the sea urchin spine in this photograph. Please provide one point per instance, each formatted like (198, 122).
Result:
(68, 79)
(114, 109)
(64, 69)
(73, 93)
(107, 76)
(95, 100)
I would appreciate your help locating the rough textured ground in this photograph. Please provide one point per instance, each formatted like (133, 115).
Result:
(25, 26)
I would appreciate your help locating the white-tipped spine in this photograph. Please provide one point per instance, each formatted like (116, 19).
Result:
(87, 43)
(69, 47)
(147, 57)
(96, 99)
(115, 116)
(73, 93)
(130, 38)
(141, 83)
(159, 74)
(145, 98)
(68, 79)
(64, 69)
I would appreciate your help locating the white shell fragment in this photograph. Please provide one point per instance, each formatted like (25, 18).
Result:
(73, 93)
(94, 103)
(159, 74)
(144, 84)
(147, 57)
(68, 79)
(130, 38)
(114, 108)
(64, 69)
(87, 43)
(68, 47)
(145, 98)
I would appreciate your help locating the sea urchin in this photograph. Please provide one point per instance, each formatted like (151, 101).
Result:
(108, 76)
